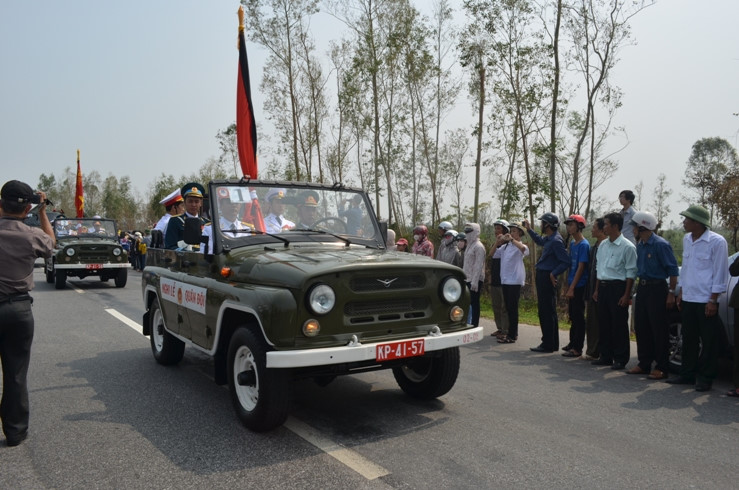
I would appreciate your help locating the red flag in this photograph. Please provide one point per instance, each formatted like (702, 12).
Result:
(79, 199)
(246, 128)
(253, 212)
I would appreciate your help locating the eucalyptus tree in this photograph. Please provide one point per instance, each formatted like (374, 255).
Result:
(228, 146)
(661, 194)
(474, 48)
(281, 26)
(598, 30)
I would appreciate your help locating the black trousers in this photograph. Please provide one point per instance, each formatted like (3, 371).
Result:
(511, 297)
(547, 306)
(651, 326)
(16, 336)
(613, 322)
(700, 342)
(576, 309)
(475, 303)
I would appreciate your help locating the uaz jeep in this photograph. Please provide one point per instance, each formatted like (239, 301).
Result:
(86, 247)
(309, 291)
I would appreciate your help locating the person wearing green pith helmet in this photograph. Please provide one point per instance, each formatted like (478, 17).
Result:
(703, 278)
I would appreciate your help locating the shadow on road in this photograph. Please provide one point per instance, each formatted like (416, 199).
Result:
(190, 419)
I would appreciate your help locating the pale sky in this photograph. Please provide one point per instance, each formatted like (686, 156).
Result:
(142, 87)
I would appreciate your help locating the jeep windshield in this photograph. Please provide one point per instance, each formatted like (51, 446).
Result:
(291, 213)
(84, 228)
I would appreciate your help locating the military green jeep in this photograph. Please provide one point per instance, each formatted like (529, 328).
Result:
(308, 292)
(86, 247)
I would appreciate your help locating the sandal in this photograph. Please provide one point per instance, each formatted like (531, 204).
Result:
(571, 353)
(732, 393)
(507, 340)
(497, 333)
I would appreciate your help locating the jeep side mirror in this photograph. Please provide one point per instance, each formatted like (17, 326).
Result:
(383, 231)
(193, 231)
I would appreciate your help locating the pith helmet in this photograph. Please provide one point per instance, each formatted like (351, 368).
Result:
(699, 214)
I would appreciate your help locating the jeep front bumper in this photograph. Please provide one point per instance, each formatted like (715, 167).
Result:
(124, 265)
(357, 352)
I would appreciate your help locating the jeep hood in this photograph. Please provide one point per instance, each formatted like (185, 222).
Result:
(293, 267)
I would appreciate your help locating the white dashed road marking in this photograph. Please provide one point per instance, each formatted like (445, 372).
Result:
(126, 320)
(349, 458)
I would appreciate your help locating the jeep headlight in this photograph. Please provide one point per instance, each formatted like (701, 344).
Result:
(70, 251)
(451, 290)
(116, 251)
(321, 299)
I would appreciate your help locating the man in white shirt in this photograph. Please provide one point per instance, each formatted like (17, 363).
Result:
(275, 222)
(703, 278)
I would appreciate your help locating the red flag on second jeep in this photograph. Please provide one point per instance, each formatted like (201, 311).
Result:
(79, 199)
(246, 128)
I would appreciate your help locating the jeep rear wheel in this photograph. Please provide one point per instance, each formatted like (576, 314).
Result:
(429, 376)
(260, 396)
(167, 348)
(121, 278)
(61, 279)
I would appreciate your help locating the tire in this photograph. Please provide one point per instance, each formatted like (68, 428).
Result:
(168, 350)
(49, 273)
(262, 398)
(121, 278)
(430, 376)
(676, 344)
(60, 279)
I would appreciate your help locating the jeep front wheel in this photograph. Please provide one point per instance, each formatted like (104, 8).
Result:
(168, 349)
(60, 279)
(121, 278)
(49, 272)
(260, 396)
(430, 376)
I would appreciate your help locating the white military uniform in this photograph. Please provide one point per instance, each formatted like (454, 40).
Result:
(277, 224)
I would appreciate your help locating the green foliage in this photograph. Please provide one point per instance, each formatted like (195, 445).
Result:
(710, 161)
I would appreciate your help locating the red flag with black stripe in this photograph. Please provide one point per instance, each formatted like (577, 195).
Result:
(246, 128)
(79, 199)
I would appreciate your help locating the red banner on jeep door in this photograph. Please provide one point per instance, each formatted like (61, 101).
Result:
(246, 128)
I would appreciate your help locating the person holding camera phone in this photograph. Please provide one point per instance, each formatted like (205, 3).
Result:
(22, 245)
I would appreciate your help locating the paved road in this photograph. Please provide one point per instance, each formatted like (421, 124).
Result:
(105, 415)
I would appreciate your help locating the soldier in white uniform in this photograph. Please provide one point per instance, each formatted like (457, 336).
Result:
(275, 222)
(173, 204)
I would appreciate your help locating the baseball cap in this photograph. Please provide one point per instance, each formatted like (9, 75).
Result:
(17, 191)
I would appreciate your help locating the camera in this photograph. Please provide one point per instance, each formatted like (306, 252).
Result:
(36, 199)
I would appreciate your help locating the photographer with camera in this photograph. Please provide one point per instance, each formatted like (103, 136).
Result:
(22, 245)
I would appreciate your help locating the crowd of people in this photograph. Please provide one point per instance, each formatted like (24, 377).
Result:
(626, 259)
(628, 270)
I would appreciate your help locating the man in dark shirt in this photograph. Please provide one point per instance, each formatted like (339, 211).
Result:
(553, 262)
(193, 194)
(655, 262)
(22, 245)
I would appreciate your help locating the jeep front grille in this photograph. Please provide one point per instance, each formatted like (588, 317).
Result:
(92, 253)
(389, 281)
(386, 310)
